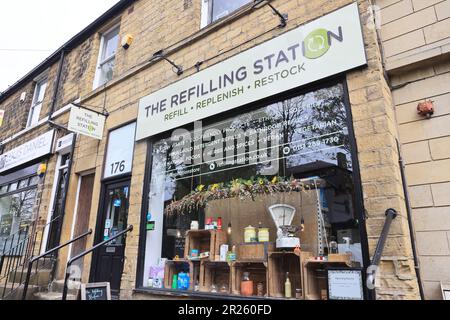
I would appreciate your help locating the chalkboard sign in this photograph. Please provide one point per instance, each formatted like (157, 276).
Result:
(179, 246)
(96, 291)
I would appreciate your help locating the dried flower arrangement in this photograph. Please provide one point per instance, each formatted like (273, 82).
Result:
(238, 188)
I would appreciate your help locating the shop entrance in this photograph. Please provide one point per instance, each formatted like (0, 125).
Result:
(108, 260)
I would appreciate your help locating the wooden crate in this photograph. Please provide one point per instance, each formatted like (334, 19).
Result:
(215, 272)
(173, 267)
(257, 272)
(254, 251)
(279, 263)
(205, 241)
(315, 277)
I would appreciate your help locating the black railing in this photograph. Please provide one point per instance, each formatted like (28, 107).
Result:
(17, 237)
(44, 255)
(18, 255)
(391, 214)
(81, 255)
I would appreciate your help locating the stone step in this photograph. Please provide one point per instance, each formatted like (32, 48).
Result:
(15, 293)
(41, 278)
(58, 285)
(53, 296)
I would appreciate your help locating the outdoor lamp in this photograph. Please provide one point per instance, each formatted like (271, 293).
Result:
(261, 3)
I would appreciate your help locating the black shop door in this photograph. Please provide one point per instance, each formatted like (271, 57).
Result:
(109, 259)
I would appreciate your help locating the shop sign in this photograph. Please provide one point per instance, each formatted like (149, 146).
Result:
(119, 155)
(345, 284)
(2, 115)
(63, 144)
(86, 122)
(30, 150)
(327, 46)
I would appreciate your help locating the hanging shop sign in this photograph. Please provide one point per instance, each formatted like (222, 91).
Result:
(119, 156)
(30, 150)
(2, 115)
(86, 122)
(327, 46)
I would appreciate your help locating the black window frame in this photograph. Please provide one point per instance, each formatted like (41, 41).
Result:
(360, 212)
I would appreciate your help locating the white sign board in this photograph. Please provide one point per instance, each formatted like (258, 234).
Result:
(63, 144)
(119, 154)
(86, 122)
(327, 46)
(28, 151)
(345, 285)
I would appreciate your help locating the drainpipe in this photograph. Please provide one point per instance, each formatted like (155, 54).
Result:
(410, 222)
(57, 82)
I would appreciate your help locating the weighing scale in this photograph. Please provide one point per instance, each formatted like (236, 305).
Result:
(282, 216)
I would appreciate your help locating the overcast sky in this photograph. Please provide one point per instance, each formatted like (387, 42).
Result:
(31, 30)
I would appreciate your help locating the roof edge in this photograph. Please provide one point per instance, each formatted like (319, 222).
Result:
(69, 45)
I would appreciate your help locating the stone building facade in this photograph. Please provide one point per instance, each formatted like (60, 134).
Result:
(402, 69)
(416, 38)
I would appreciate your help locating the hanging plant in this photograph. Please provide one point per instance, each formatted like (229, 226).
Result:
(237, 188)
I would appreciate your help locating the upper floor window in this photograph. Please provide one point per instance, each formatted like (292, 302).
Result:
(36, 105)
(216, 9)
(107, 57)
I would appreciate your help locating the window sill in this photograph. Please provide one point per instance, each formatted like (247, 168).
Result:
(199, 295)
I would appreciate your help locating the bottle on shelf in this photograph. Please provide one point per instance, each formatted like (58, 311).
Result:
(287, 287)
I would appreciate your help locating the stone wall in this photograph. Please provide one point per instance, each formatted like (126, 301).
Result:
(426, 151)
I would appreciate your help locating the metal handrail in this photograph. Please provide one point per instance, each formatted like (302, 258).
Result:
(81, 255)
(391, 214)
(34, 259)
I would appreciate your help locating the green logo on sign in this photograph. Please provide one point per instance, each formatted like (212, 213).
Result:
(318, 42)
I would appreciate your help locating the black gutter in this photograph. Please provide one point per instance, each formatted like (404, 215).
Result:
(69, 45)
(57, 83)
(410, 222)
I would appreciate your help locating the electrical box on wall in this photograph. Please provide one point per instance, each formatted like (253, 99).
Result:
(23, 96)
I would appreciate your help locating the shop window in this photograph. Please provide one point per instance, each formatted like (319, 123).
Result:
(213, 10)
(16, 209)
(107, 57)
(268, 182)
(36, 106)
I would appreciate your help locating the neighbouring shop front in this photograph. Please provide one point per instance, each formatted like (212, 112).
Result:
(18, 189)
(253, 186)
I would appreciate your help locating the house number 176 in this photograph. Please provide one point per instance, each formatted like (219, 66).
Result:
(118, 167)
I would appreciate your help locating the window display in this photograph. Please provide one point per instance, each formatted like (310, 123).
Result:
(16, 208)
(252, 204)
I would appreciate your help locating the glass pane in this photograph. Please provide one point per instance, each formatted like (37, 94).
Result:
(249, 169)
(12, 187)
(15, 214)
(222, 8)
(117, 214)
(34, 114)
(111, 43)
(106, 72)
(34, 180)
(23, 183)
(3, 189)
(40, 92)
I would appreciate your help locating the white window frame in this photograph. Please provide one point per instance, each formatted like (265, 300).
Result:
(206, 14)
(98, 81)
(36, 106)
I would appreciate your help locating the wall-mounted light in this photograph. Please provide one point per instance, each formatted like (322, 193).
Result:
(283, 16)
(229, 229)
(160, 55)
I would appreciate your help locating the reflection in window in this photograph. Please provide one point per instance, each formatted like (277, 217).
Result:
(16, 211)
(222, 8)
(299, 141)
